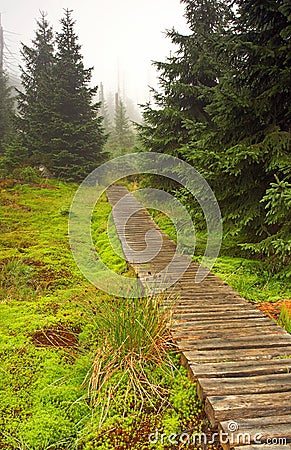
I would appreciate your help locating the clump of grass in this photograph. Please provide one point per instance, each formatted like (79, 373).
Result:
(133, 338)
(285, 316)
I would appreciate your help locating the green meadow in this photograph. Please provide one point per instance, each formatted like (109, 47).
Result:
(69, 378)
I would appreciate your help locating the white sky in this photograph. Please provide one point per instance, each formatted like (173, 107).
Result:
(117, 36)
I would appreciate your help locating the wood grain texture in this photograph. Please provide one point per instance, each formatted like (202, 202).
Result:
(239, 358)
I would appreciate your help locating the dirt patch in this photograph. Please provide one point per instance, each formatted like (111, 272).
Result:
(60, 338)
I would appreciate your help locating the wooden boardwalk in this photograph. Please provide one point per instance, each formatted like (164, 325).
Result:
(237, 355)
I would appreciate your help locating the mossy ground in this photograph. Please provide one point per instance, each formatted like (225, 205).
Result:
(46, 336)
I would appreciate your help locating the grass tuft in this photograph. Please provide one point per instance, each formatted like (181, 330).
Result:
(132, 339)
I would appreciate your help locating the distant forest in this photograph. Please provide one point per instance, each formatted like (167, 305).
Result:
(223, 105)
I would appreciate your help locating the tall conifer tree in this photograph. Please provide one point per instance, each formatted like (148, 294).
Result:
(79, 135)
(186, 80)
(224, 106)
(121, 138)
(251, 110)
(35, 100)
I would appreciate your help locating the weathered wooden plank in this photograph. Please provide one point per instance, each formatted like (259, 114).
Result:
(205, 304)
(266, 341)
(275, 430)
(200, 298)
(231, 344)
(235, 407)
(239, 355)
(202, 289)
(251, 333)
(214, 295)
(224, 315)
(212, 308)
(241, 368)
(243, 385)
(221, 324)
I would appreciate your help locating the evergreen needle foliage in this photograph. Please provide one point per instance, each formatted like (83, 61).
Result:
(121, 136)
(224, 106)
(57, 123)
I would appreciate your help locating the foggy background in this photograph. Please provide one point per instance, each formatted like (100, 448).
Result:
(119, 38)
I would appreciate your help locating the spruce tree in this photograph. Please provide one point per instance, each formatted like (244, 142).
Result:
(35, 100)
(78, 132)
(224, 106)
(251, 110)
(104, 109)
(186, 80)
(121, 138)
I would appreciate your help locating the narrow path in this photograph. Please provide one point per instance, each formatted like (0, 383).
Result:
(237, 355)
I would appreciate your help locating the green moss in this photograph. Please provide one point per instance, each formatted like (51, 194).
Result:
(43, 389)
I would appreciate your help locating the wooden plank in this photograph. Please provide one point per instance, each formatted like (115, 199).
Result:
(243, 385)
(224, 315)
(208, 304)
(207, 301)
(212, 308)
(241, 368)
(231, 344)
(274, 430)
(213, 295)
(227, 324)
(239, 355)
(236, 343)
(235, 407)
(251, 333)
(219, 316)
(203, 289)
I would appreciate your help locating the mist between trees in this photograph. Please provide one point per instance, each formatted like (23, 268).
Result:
(57, 119)
(223, 105)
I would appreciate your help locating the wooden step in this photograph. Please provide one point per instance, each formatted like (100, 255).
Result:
(240, 368)
(267, 341)
(238, 356)
(233, 355)
(243, 385)
(258, 432)
(237, 407)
